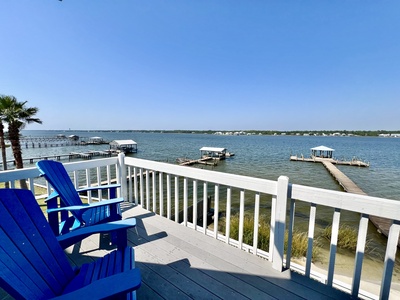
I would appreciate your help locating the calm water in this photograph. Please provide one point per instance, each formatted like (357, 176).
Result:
(262, 156)
(268, 157)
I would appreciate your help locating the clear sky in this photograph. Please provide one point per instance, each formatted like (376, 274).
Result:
(199, 65)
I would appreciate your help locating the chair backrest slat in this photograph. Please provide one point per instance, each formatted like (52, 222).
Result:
(55, 173)
(33, 262)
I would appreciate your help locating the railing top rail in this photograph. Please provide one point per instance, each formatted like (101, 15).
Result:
(238, 181)
(32, 172)
(380, 207)
(94, 163)
(16, 174)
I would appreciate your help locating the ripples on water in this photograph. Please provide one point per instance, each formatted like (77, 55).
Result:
(268, 157)
(262, 156)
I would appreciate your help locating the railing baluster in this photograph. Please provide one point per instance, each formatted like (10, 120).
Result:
(333, 247)
(76, 179)
(169, 196)
(141, 187)
(195, 200)
(390, 258)
(292, 211)
(148, 189)
(256, 222)
(361, 240)
(185, 201)
(135, 186)
(108, 174)
(228, 214)
(272, 229)
(88, 183)
(205, 207)
(161, 193)
(311, 228)
(154, 185)
(216, 210)
(241, 219)
(176, 199)
(31, 185)
(130, 186)
(98, 172)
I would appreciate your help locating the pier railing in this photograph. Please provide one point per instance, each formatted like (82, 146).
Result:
(210, 202)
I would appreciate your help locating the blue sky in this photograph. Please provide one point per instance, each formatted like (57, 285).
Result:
(199, 65)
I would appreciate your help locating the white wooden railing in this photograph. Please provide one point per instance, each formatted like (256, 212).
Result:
(171, 191)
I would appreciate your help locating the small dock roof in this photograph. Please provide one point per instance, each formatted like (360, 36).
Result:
(123, 142)
(322, 152)
(322, 148)
(213, 149)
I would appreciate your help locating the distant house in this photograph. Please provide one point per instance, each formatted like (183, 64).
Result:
(126, 146)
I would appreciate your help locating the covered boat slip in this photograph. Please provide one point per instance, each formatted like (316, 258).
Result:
(126, 146)
(179, 263)
(322, 151)
(214, 152)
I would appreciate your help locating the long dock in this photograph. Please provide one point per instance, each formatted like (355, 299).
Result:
(353, 162)
(204, 161)
(382, 224)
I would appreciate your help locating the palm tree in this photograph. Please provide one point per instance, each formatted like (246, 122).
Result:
(2, 142)
(17, 115)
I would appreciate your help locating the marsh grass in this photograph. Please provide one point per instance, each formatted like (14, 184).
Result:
(347, 238)
(299, 243)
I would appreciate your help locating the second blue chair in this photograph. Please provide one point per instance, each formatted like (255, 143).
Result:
(82, 214)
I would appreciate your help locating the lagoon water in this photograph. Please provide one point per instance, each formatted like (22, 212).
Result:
(268, 157)
(259, 156)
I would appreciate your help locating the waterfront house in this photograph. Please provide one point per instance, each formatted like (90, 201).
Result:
(184, 259)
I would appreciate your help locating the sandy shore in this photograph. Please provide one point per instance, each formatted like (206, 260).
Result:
(371, 276)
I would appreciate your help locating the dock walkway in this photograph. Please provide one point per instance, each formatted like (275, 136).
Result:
(382, 224)
(177, 262)
(204, 161)
(353, 162)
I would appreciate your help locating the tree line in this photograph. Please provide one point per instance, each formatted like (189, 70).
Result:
(16, 114)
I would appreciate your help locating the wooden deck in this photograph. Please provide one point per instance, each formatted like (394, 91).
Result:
(178, 263)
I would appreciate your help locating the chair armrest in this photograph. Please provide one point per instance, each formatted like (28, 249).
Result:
(79, 234)
(53, 195)
(99, 187)
(123, 282)
(87, 206)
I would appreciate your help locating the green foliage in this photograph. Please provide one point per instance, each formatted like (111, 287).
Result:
(347, 238)
(299, 242)
(300, 245)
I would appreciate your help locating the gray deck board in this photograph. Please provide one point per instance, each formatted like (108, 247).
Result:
(211, 269)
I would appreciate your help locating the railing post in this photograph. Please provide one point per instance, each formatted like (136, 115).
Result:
(279, 226)
(121, 176)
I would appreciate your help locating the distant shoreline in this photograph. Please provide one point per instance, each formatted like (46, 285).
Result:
(360, 133)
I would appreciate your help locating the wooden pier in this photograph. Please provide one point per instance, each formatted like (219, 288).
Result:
(353, 162)
(203, 161)
(382, 224)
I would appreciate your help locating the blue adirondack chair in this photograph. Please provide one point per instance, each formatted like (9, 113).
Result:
(82, 214)
(34, 266)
